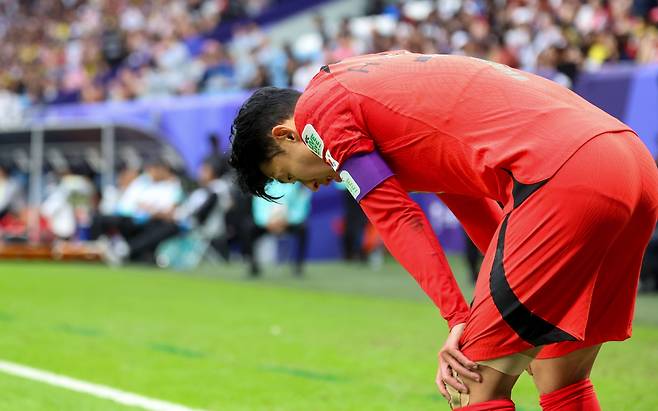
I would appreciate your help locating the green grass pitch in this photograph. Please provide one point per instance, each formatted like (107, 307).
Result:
(343, 338)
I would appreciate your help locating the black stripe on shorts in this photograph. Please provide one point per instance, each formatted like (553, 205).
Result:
(527, 325)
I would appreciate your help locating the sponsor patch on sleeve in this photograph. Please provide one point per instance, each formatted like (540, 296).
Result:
(312, 140)
(351, 185)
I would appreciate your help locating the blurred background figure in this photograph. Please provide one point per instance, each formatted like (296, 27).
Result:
(69, 203)
(473, 258)
(199, 222)
(145, 203)
(239, 225)
(217, 159)
(117, 197)
(287, 216)
(10, 195)
(354, 223)
(12, 202)
(649, 273)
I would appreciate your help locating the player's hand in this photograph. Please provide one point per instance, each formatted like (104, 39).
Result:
(450, 358)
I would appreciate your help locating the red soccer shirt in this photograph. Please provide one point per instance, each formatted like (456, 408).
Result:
(453, 125)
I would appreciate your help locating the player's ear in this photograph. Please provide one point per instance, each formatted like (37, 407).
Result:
(284, 131)
(279, 132)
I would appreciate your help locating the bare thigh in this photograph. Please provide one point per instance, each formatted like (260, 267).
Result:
(495, 384)
(554, 373)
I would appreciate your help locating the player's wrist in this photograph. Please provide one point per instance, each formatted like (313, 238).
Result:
(462, 324)
(457, 319)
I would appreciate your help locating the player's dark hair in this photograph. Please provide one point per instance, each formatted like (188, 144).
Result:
(251, 136)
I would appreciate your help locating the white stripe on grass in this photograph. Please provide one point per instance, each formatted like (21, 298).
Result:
(101, 391)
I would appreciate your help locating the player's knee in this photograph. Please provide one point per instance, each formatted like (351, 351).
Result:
(498, 378)
(495, 385)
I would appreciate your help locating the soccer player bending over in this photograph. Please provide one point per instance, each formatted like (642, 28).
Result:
(559, 196)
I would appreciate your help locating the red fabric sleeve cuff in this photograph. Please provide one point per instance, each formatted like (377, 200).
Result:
(458, 319)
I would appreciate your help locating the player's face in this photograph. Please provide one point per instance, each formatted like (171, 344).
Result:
(297, 162)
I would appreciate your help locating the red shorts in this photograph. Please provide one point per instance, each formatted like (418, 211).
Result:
(563, 268)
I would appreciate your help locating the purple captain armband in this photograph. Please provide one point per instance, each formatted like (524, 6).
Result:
(363, 172)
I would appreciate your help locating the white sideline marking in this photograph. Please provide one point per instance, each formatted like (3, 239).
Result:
(102, 391)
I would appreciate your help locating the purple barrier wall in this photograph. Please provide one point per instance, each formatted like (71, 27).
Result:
(629, 93)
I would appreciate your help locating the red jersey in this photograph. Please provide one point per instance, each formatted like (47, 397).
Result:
(456, 126)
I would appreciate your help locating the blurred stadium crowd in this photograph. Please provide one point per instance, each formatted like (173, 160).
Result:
(93, 50)
(86, 50)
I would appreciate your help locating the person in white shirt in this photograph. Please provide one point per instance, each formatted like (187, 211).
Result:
(151, 195)
(203, 210)
(10, 192)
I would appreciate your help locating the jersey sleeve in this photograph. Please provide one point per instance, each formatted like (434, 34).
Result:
(329, 123)
(480, 217)
(409, 237)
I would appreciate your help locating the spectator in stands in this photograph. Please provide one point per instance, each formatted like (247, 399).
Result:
(239, 223)
(113, 45)
(203, 210)
(206, 208)
(354, 223)
(11, 198)
(218, 74)
(152, 195)
(547, 66)
(115, 199)
(69, 201)
(287, 216)
(163, 193)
